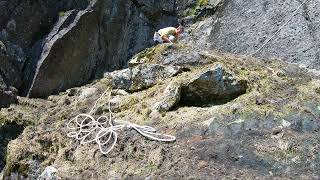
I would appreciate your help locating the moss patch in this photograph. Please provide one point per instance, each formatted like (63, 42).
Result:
(195, 7)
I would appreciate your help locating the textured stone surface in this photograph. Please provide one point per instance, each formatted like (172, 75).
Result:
(69, 53)
(242, 26)
(277, 138)
(88, 42)
(8, 94)
(171, 97)
(65, 45)
(142, 76)
(213, 86)
(269, 132)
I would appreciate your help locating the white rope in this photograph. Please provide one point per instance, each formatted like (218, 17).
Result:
(103, 130)
(271, 37)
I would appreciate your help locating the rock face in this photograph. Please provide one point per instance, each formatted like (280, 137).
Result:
(85, 43)
(70, 43)
(233, 117)
(72, 48)
(242, 26)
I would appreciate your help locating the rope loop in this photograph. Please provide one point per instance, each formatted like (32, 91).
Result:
(104, 130)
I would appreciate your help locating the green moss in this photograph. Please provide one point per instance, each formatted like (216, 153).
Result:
(149, 55)
(203, 2)
(2, 119)
(61, 13)
(193, 9)
(129, 102)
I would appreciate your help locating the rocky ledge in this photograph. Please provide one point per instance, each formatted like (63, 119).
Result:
(233, 117)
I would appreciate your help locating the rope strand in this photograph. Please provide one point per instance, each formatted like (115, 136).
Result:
(87, 129)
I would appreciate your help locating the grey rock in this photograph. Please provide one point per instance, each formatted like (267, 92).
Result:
(170, 98)
(142, 76)
(22, 25)
(59, 67)
(213, 86)
(12, 59)
(88, 92)
(242, 26)
(119, 92)
(214, 127)
(8, 94)
(192, 58)
(89, 38)
(48, 173)
(86, 43)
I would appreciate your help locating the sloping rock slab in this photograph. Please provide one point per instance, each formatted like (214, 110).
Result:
(72, 49)
(242, 27)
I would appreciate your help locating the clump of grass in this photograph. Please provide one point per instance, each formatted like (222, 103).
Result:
(193, 10)
(61, 13)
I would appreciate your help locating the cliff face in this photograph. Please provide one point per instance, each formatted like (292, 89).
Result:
(49, 46)
(242, 26)
(62, 44)
(233, 116)
(248, 119)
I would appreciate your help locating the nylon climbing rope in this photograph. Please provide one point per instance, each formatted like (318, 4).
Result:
(104, 130)
(280, 28)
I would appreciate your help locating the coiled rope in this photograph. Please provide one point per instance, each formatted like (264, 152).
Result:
(104, 130)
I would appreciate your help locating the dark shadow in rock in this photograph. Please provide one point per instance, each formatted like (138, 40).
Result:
(213, 87)
(8, 132)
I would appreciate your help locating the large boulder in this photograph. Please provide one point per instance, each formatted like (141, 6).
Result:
(142, 76)
(214, 86)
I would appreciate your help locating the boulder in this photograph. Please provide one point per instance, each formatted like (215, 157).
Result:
(142, 76)
(171, 97)
(212, 86)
